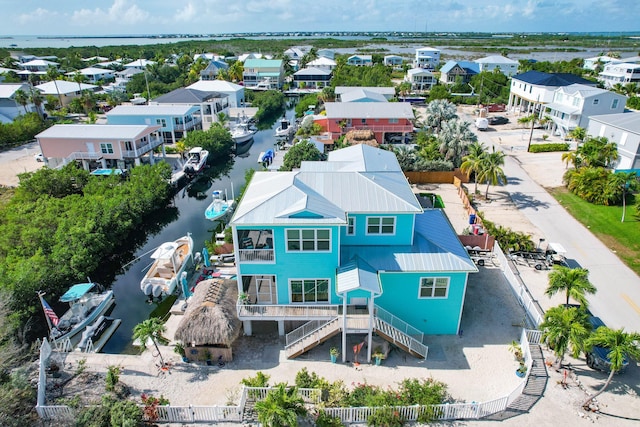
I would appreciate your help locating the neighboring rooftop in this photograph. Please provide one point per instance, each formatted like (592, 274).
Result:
(626, 121)
(555, 79)
(97, 132)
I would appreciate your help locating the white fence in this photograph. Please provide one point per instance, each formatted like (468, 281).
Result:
(532, 308)
(183, 414)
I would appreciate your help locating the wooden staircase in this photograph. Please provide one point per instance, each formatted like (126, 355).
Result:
(319, 332)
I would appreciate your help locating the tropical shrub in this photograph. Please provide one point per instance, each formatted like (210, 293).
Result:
(385, 417)
(596, 185)
(544, 148)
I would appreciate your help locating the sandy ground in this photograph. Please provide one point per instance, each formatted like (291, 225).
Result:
(476, 365)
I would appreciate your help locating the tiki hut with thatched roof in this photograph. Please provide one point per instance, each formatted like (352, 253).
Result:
(210, 324)
(361, 136)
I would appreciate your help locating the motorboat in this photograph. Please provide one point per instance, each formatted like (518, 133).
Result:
(96, 336)
(196, 160)
(87, 302)
(170, 260)
(219, 207)
(285, 128)
(242, 133)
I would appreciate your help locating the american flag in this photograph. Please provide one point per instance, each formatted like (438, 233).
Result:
(50, 313)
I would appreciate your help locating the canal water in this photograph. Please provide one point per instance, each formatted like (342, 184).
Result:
(189, 204)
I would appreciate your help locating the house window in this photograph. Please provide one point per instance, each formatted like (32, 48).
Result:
(128, 146)
(161, 122)
(381, 225)
(596, 101)
(308, 240)
(614, 104)
(351, 226)
(106, 148)
(434, 287)
(363, 121)
(393, 121)
(309, 290)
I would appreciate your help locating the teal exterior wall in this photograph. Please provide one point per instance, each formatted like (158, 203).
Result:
(402, 236)
(430, 315)
(150, 119)
(297, 265)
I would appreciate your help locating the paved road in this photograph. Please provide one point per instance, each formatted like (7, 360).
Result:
(617, 301)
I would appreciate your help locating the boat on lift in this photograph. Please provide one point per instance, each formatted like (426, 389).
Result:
(170, 260)
(219, 207)
(196, 161)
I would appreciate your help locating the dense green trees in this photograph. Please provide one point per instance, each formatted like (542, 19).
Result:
(271, 105)
(22, 129)
(217, 140)
(61, 225)
(351, 75)
(302, 151)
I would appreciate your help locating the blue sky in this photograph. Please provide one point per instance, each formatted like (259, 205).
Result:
(114, 17)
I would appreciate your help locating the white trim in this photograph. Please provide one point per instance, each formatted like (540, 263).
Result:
(352, 226)
(434, 287)
(315, 287)
(380, 233)
(301, 240)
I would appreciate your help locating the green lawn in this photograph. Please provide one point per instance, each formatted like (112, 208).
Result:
(604, 222)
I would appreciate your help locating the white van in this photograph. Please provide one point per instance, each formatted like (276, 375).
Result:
(482, 123)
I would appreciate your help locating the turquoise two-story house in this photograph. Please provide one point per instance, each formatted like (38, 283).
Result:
(342, 247)
(175, 121)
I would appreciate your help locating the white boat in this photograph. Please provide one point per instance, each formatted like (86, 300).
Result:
(285, 128)
(241, 133)
(196, 160)
(86, 304)
(170, 260)
(96, 336)
(219, 207)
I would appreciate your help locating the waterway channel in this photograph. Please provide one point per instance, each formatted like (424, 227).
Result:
(191, 201)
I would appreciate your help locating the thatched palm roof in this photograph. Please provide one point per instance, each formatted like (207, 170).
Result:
(361, 136)
(211, 316)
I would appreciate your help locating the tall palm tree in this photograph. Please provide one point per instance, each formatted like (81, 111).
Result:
(52, 75)
(471, 163)
(578, 134)
(625, 181)
(565, 327)
(35, 96)
(570, 157)
(618, 88)
(21, 98)
(281, 407)
(454, 137)
(150, 329)
(438, 112)
(79, 78)
(236, 71)
(630, 89)
(531, 119)
(491, 170)
(573, 281)
(620, 344)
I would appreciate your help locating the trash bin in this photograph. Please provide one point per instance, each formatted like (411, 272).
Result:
(472, 218)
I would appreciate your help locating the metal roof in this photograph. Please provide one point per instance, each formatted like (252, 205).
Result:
(626, 121)
(556, 79)
(187, 96)
(215, 86)
(385, 90)
(63, 87)
(361, 94)
(583, 90)
(436, 248)
(7, 90)
(495, 59)
(563, 108)
(357, 274)
(468, 66)
(153, 110)
(419, 71)
(369, 110)
(311, 72)
(262, 63)
(97, 132)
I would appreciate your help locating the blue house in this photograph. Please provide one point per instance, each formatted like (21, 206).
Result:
(344, 247)
(452, 70)
(175, 120)
(360, 60)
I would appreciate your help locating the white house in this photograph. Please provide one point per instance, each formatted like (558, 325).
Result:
(38, 66)
(140, 64)
(323, 63)
(573, 105)
(388, 92)
(210, 103)
(360, 60)
(427, 57)
(620, 72)
(531, 90)
(234, 92)
(326, 53)
(392, 60)
(94, 74)
(66, 91)
(312, 78)
(421, 79)
(507, 66)
(624, 130)
(594, 62)
(9, 107)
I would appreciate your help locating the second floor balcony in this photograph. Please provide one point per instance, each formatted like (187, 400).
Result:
(142, 148)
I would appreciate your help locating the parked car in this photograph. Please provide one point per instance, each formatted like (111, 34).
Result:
(597, 357)
(498, 120)
(39, 157)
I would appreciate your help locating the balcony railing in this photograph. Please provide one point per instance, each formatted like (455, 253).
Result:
(82, 155)
(288, 312)
(256, 255)
(153, 143)
(381, 128)
(189, 125)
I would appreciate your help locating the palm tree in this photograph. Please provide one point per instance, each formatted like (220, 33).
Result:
(439, 111)
(618, 88)
(565, 327)
(236, 71)
(630, 89)
(620, 344)
(570, 157)
(79, 78)
(491, 170)
(150, 329)
(21, 98)
(281, 407)
(573, 281)
(531, 119)
(36, 99)
(471, 162)
(454, 139)
(625, 181)
(578, 134)
(52, 75)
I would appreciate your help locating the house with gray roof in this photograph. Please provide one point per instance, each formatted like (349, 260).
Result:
(212, 70)
(624, 130)
(312, 78)
(344, 247)
(387, 91)
(462, 71)
(210, 103)
(9, 107)
(506, 66)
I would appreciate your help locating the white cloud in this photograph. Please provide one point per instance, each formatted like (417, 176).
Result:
(119, 12)
(38, 15)
(186, 13)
